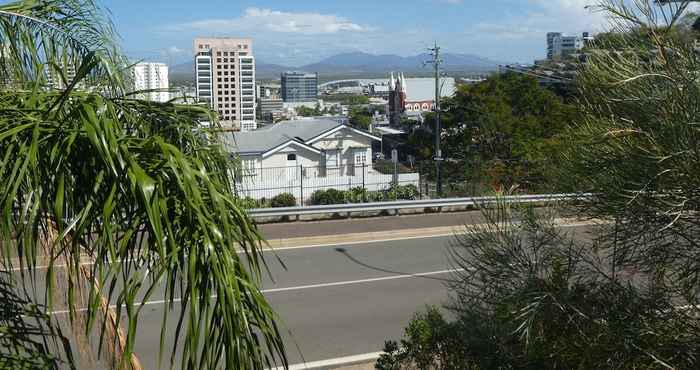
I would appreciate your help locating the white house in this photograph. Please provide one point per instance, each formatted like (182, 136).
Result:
(318, 143)
(302, 156)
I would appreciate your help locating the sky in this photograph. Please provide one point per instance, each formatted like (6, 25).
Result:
(295, 33)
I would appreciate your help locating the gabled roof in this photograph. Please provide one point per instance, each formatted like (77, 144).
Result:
(269, 139)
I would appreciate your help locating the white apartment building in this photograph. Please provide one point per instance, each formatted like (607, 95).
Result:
(152, 76)
(225, 79)
(560, 46)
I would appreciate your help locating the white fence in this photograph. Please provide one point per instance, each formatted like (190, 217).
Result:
(303, 181)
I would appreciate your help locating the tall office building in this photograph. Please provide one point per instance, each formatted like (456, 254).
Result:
(560, 46)
(550, 43)
(152, 76)
(225, 79)
(299, 87)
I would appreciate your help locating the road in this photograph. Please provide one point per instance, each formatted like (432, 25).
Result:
(340, 300)
(348, 285)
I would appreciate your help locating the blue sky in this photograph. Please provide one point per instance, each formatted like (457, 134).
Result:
(298, 32)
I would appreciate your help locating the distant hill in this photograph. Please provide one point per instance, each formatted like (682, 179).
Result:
(362, 64)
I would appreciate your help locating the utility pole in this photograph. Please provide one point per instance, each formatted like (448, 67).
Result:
(436, 61)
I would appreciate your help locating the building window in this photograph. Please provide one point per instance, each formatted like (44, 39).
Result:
(225, 53)
(291, 157)
(332, 158)
(218, 73)
(249, 167)
(360, 157)
(218, 60)
(218, 53)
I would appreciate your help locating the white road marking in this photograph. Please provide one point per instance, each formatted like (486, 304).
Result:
(359, 242)
(301, 287)
(335, 362)
(362, 281)
(460, 229)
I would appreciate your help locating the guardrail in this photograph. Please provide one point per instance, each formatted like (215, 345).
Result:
(409, 204)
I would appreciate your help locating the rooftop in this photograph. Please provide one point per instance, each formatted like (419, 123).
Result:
(272, 136)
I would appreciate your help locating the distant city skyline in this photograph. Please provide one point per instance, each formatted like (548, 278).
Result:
(302, 32)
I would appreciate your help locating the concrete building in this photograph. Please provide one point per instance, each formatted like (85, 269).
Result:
(408, 95)
(152, 76)
(270, 108)
(299, 87)
(225, 79)
(560, 46)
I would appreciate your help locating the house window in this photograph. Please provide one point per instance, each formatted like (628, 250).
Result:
(291, 157)
(249, 168)
(332, 158)
(360, 157)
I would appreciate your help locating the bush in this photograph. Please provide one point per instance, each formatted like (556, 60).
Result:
(251, 203)
(402, 192)
(357, 195)
(328, 197)
(283, 200)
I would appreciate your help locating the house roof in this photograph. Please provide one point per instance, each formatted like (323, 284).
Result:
(278, 135)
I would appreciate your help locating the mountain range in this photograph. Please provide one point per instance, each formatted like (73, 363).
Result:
(356, 64)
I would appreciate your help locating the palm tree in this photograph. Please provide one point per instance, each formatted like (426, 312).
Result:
(122, 201)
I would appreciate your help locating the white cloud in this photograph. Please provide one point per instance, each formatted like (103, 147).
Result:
(567, 16)
(267, 20)
(175, 50)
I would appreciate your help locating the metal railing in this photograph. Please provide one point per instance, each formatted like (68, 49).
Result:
(411, 204)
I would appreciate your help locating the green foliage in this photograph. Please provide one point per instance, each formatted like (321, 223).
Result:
(328, 197)
(361, 195)
(401, 192)
(308, 112)
(283, 200)
(528, 295)
(251, 203)
(506, 124)
(357, 195)
(137, 188)
(622, 294)
(431, 343)
(353, 100)
(360, 118)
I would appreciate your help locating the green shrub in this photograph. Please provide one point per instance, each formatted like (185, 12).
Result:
(251, 203)
(283, 200)
(401, 192)
(328, 197)
(357, 195)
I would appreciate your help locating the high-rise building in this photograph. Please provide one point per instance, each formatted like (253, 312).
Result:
(298, 87)
(560, 46)
(225, 79)
(550, 43)
(152, 76)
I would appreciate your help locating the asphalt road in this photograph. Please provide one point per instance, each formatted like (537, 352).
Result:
(339, 301)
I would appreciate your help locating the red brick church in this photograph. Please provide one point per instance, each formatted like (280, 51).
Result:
(399, 101)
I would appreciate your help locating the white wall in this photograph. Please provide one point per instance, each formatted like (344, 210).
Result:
(151, 76)
(347, 142)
